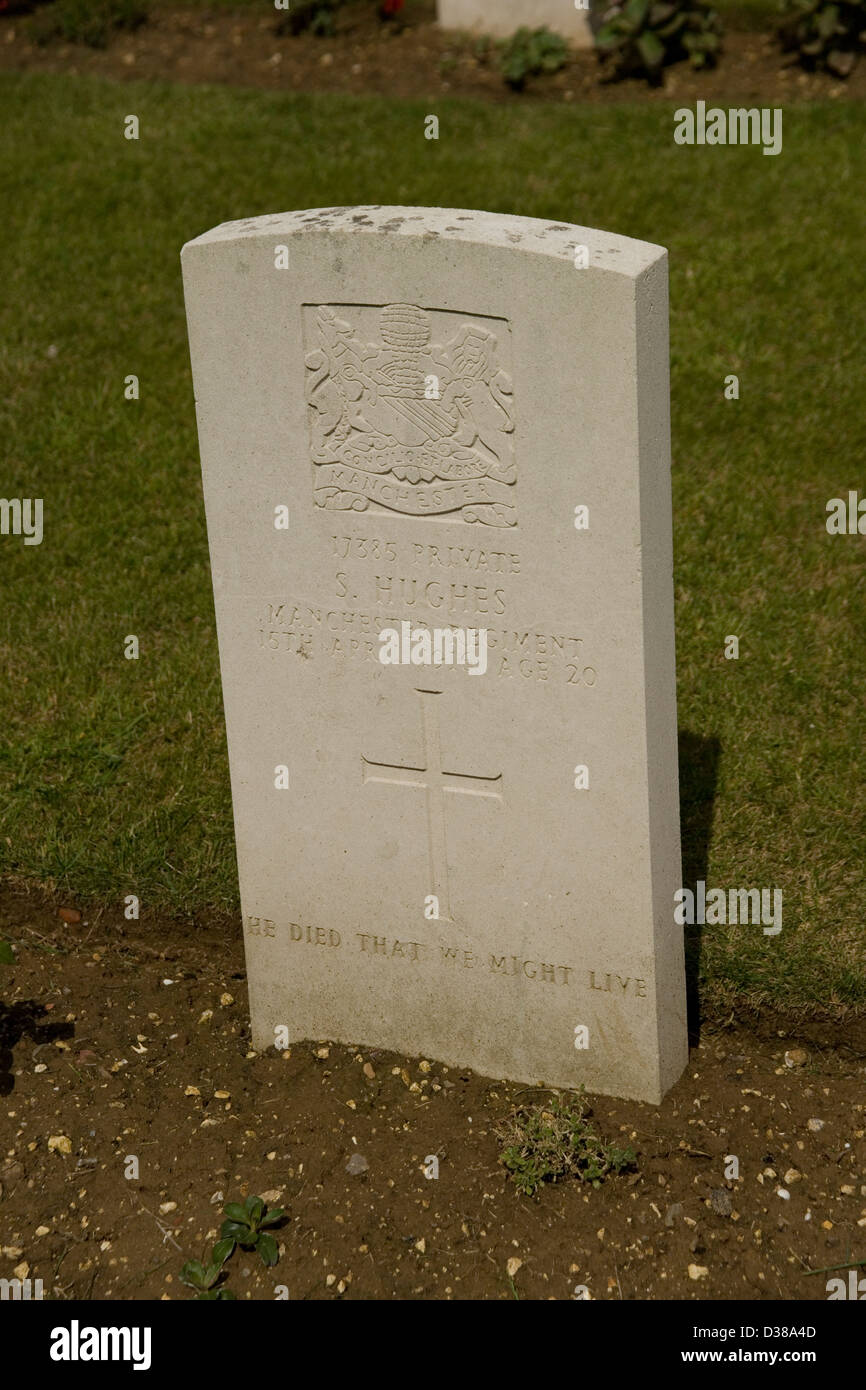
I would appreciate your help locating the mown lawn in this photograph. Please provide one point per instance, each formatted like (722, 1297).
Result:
(113, 774)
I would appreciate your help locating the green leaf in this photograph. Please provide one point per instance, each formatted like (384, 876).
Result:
(652, 50)
(235, 1212)
(7, 955)
(273, 1216)
(193, 1274)
(700, 43)
(223, 1249)
(268, 1248)
(233, 1230)
(514, 72)
(636, 10)
(254, 1207)
(827, 21)
(607, 36)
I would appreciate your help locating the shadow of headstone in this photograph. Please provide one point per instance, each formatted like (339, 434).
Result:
(699, 769)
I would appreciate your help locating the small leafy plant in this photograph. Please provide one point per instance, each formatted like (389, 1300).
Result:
(640, 37)
(546, 1142)
(315, 16)
(530, 52)
(245, 1226)
(204, 1278)
(829, 34)
(7, 955)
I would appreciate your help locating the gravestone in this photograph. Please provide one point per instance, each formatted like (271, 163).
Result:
(436, 423)
(504, 17)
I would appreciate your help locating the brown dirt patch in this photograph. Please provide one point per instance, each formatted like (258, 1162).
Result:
(97, 1047)
(417, 60)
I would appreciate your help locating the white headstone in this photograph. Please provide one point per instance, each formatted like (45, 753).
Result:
(502, 18)
(416, 420)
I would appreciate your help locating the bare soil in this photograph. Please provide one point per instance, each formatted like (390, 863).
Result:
(415, 59)
(122, 1039)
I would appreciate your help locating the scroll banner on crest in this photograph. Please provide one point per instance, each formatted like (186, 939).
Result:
(417, 499)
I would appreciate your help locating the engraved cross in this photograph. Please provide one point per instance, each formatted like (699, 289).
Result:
(433, 778)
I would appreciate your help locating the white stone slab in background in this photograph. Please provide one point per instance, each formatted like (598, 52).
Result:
(502, 18)
(312, 392)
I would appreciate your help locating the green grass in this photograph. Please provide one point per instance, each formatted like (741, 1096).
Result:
(113, 775)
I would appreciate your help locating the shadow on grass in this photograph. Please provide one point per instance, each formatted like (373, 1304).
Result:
(699, 770)
(24, 1020)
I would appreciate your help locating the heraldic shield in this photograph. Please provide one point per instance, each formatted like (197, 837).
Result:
(410, 411)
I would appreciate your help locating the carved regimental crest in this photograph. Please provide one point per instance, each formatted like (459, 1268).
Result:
(410, 411)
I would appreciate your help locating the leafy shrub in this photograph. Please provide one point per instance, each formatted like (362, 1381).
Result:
(86, 21)
(317, 16)
(530, 52)
(641, 37)
(827, 34)
(544, 1143)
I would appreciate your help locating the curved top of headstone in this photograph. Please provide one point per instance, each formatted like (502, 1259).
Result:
(622, 255)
